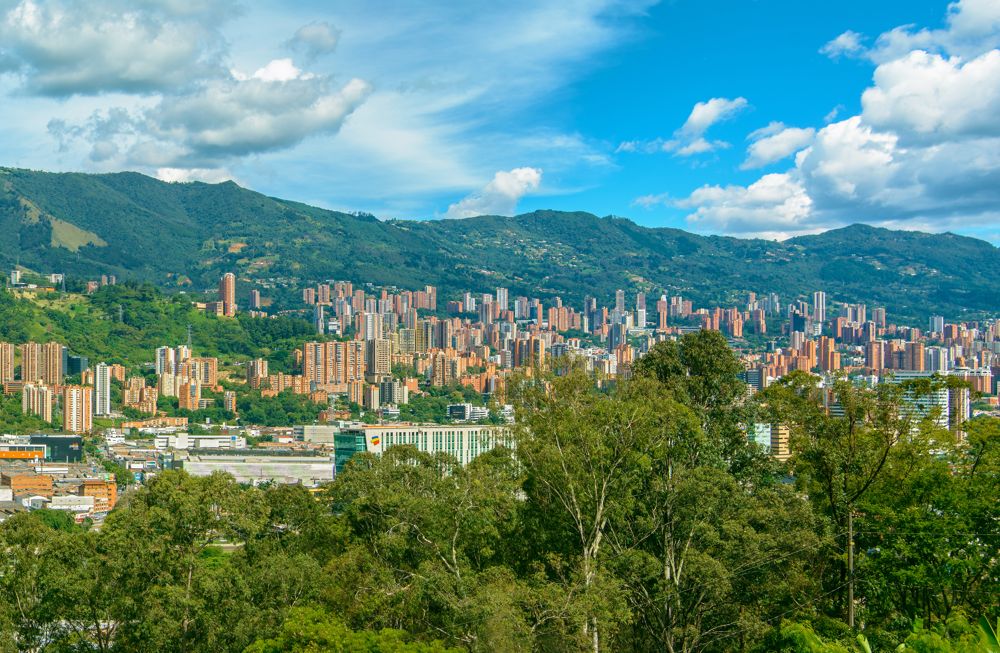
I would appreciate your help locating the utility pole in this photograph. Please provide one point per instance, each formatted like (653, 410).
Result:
(850, 567)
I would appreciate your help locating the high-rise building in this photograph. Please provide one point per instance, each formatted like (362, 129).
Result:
(31, 362)
(6, 362)
(662, 311)
(619, 301)
(189, 395)
(378, 357)
(78, 409)
(502, 299)
(325, 363)
(166, 360)
(819, 306)
(227, 294)
(204, 370)
(874, 355)
(640, 310)
(102, 389)
(36, 399)
(936, 324)
(914, 356)
(52, 363)
(256, 372)
(319, 318)
(255, 299)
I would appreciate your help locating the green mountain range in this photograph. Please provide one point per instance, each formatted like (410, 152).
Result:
(180, 234)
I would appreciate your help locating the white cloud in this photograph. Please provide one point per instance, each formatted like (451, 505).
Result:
(649, 201)
(929, 97)
(690, 139)
(774, 204)
(500, 196)
(181, 175)
(275, 108)
(848, 44)
(64, 48)
(314, 40)
(706, 114)
(774, 143)
(924, 152)
(833, 113)
(278, 70)
(973, 27)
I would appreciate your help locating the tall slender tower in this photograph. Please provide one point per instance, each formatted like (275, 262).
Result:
(31, 362)
(52, 363)
(227, 294)
(102, 388)
(819, 306)
(6, 362)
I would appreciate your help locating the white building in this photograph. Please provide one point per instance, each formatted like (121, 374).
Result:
(462, 442)
(102, 389)
(72, 503)
(305, 470)
(188, 441)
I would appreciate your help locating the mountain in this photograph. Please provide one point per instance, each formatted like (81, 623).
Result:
(178, 234)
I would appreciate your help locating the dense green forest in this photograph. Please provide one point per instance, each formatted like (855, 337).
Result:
(178, 234)
(632, 518)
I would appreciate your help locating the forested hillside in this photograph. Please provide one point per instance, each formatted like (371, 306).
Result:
(180, 234)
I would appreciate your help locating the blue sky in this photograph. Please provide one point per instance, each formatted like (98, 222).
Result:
(752, 118)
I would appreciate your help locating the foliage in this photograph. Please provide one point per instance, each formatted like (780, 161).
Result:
(308, 630)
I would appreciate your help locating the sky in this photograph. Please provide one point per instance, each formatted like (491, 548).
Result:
(752, 118)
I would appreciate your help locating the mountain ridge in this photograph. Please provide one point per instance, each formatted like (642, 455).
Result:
(178, 234)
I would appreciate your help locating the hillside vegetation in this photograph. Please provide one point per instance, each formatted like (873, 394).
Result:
(180, 234)
(126, 323)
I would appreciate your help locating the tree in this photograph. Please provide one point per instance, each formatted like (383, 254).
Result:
(844, 439)
(702, 372)
(313, 631)
(426, 531)
(585, 455)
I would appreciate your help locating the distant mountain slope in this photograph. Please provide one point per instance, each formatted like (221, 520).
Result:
(132, 225)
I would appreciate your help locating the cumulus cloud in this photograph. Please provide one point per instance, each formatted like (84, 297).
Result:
(64, 48)
(690, 138)
(774, 204)
(314, 40)
(774, 143)
(500, 196)
(973, 27)
(848, 44)
(928, 97)
(924, 151)
(273, 108)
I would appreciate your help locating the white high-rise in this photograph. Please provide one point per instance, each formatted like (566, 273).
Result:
(166, 360)
(819, 306)
(102, 389)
